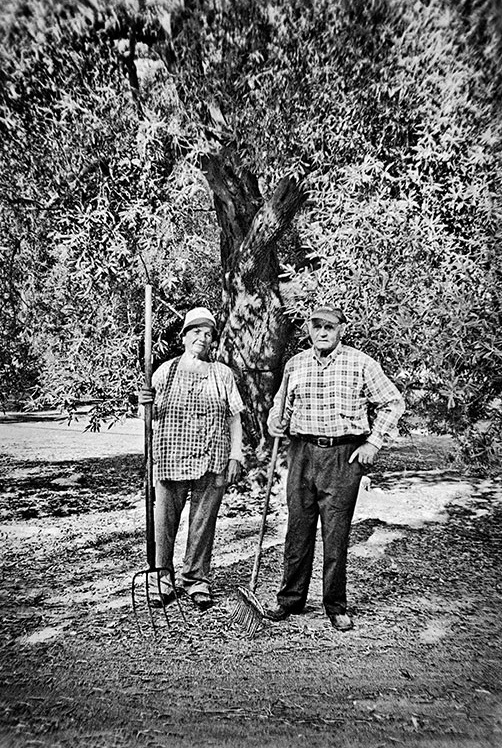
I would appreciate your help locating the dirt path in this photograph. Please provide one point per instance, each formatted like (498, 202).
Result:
(421, 668)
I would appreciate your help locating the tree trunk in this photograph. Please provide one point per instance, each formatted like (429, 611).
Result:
(256, 330)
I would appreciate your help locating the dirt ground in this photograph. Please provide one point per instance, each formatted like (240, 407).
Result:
(422, 667)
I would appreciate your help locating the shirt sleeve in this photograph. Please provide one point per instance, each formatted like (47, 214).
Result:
(388, 402)
(159, 381)
(234, 399)
(288, 409)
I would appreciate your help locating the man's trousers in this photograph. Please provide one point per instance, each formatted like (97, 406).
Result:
(321, 482)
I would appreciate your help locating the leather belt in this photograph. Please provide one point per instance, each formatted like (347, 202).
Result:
(332, 441)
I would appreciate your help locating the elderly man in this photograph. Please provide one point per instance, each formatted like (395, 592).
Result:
(197, 452)
(330, 387)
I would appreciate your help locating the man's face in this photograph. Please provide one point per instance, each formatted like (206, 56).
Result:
(197, 340)
(325, 335)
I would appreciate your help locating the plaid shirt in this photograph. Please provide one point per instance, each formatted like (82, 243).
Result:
(191, 434)
(330, 396)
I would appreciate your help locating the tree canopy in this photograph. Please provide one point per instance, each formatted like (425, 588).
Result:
(149, 135)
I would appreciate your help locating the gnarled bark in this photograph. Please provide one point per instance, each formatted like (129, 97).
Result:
(256, 330)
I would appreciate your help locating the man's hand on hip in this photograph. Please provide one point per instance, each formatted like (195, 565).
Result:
(366, 453)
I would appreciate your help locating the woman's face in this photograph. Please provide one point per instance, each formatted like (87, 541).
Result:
(197, 341)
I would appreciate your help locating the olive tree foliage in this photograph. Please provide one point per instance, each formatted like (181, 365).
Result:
(92, 204)
(109, 144)
(384, 112)
(393, 111)
(407, 236)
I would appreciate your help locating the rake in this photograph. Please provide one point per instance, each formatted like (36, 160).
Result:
(248, 611)
(152, 569)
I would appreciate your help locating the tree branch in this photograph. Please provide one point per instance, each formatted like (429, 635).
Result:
(258, 259)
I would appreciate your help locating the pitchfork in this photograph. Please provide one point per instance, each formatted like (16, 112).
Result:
(152, 569)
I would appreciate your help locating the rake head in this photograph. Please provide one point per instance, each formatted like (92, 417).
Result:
(248, 611)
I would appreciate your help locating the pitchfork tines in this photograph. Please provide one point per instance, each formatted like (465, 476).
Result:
(142, 596)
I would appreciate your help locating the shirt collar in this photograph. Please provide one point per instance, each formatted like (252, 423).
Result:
(330, 357)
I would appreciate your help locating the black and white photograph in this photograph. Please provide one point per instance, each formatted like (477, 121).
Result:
(250, 373)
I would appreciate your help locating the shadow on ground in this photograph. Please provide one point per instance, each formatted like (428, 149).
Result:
(421, 669)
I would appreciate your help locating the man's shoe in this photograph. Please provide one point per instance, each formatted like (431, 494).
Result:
(202, 600)
(341, 621)
(163, 600)
(277, 613)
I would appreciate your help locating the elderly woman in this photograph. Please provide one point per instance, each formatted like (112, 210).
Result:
(197, 451)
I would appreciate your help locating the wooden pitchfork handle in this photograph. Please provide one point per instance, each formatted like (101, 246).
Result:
(271, 471)
(150, 489)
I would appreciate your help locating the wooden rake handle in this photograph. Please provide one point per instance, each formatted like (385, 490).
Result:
(271, 471)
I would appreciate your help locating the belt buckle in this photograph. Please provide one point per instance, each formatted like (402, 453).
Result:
(323, 441)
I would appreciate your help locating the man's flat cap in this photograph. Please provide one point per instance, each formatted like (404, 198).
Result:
(330, 313)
